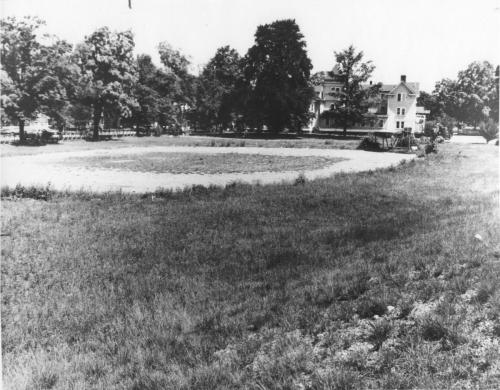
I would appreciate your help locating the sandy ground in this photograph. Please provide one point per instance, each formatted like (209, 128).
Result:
(42, 169)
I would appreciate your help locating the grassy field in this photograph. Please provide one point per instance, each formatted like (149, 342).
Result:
(370, 280)
(68, 146)
(199, 163)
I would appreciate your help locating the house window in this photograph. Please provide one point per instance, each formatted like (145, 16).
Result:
(398, 111)
(337, 89)
(332, 106)
(397, 124)
(403, 111)
(380, 123)
(401, 97)
(402, 125)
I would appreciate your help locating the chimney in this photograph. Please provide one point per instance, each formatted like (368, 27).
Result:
(403, 78)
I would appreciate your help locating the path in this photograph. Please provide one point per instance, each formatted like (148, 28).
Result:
(44, 168)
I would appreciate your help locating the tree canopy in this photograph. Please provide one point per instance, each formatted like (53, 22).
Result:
(36, 77)
(473, 96)
(355, 97)
(217, 90)
(108, 74)
(277, 71)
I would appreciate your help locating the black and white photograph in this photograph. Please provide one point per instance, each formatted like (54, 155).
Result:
(255, 195)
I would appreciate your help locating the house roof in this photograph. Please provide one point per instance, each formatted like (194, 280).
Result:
(412, 87)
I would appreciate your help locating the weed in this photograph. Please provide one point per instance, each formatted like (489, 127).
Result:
(369, 307)
(31, 192)
(379, 332)
(300, 180)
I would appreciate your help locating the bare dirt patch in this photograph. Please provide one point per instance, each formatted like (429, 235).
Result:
(199, 163)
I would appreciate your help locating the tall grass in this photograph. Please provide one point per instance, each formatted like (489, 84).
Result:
(368, 280)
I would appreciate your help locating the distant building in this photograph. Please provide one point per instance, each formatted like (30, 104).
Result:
(41, 122)
(398, 109)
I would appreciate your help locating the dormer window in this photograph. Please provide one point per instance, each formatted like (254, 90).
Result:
(401, 97)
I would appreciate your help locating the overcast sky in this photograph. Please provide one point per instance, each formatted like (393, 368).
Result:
(425, 39)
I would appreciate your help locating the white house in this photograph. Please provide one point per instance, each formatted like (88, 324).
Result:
(398, 109)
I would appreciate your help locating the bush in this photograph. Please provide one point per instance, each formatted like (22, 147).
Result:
(369, 143)
(488, 130)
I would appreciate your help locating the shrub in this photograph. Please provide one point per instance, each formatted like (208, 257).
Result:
(488, 130)
(369, 143)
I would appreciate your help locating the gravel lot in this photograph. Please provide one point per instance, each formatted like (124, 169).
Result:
(42, 169)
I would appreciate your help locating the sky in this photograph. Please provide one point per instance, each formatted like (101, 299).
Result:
(427, 40)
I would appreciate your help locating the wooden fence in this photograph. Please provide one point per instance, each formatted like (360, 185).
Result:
(71, 135)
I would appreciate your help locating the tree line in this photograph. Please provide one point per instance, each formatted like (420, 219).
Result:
(470, 99)
(271, 86)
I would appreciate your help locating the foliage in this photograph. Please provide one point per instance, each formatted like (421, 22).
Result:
(31, 192)
(108, 74)
(355, 98)
(430, 102)
(473, 96)
(35, 77)
(153, 91)
(488, 130)
(178, 85)
(277, 72)
(218, 90)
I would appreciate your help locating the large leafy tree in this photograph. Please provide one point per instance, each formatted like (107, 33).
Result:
(58, 82)
(217, 90)
(151, 92)
(277, 70)
(431, 103)
(355, 97)
(177, 84)
(108, 74)
(473, 96)
(36, 77)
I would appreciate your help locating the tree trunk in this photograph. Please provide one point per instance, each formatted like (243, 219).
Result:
(22, 134)
(97, 120)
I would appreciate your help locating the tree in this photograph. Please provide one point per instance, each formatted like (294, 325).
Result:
(177, 84)
(355, 97)
(277, 72)
(57, 83)
(431, 103)
(35, 77)
(217, 100)
(150, 93)
(108, 74)
(488, 130)
(473, 97)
